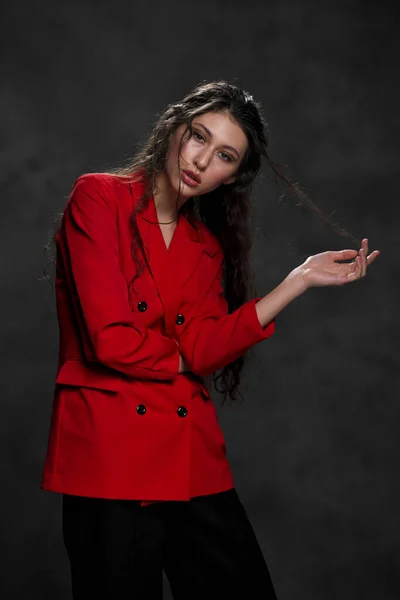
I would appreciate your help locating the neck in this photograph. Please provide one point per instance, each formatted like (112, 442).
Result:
(165, 199)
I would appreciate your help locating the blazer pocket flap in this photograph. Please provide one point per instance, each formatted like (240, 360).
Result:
(77, 373)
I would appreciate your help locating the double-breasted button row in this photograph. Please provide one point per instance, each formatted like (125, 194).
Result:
(142, 307)
(181, 411)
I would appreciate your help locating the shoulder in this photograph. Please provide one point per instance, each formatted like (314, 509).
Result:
(99, 188)
(100, 181)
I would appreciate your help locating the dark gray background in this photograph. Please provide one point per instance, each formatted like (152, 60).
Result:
(314, 448)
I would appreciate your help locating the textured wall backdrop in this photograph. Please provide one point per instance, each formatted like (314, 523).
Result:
(315, 446)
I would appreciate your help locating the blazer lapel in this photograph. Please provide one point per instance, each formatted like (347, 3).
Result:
(171, 268)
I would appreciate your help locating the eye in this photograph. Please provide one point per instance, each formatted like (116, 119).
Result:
(227, 157)
(198, 135)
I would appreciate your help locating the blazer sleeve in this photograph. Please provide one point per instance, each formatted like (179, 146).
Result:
(91, 239)
(213, 338)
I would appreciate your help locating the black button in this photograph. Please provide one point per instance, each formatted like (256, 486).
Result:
(142, 306)
(180, 319)
(141, 409)
(182, 411)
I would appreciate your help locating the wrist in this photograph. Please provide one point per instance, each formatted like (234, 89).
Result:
(298, 280)
(270, 306)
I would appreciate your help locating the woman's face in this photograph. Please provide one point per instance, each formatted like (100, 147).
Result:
(213, 153)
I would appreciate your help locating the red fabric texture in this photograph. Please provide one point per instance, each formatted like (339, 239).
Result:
(116, 428)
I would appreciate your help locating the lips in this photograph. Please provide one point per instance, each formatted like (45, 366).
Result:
(192, 175)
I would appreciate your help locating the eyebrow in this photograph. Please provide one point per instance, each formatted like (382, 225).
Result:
(211, 135)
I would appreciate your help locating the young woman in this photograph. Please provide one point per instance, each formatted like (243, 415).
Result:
(152, 285)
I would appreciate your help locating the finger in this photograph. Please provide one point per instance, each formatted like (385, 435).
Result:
(352, 273)
(359, 266)
(359, 269)
(353, 269)
(365, 252)
(362, 262)
(372, 256)
(361, 255)
(343, 254)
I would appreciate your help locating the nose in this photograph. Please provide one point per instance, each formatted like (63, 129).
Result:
(202, 159)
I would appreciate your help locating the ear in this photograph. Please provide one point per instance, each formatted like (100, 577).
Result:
(230, 180)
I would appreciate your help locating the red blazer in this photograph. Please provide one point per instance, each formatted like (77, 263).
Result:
(125, 424)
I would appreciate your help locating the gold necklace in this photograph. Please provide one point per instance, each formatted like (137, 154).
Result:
(160, 222)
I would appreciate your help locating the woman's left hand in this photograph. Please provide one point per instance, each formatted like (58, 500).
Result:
(323, 269)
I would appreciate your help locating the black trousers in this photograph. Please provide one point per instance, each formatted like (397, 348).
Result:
(206, 547)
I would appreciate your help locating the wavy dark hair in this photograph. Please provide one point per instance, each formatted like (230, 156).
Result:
(226, 211)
